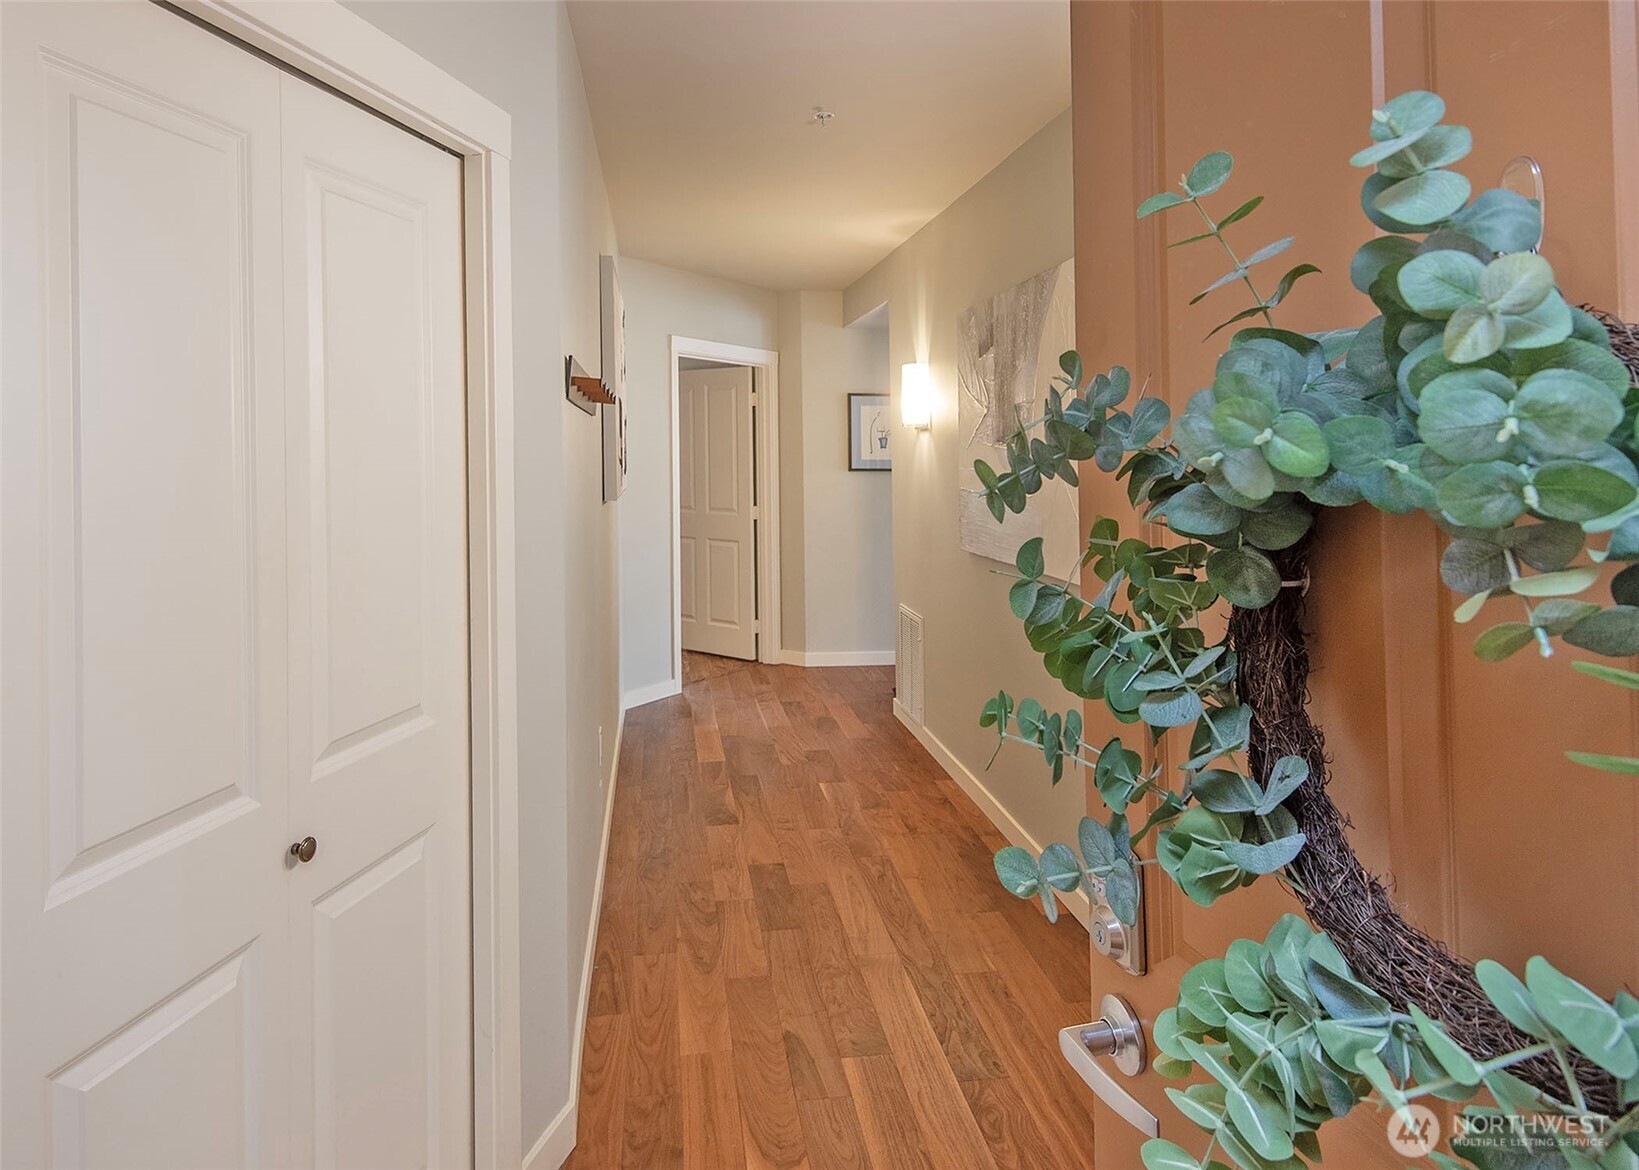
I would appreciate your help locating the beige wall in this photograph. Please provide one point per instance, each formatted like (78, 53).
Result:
(662, 302)
(836, 525)
(522, 57)
(1012, 224)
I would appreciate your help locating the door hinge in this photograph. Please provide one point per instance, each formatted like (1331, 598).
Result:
(756, 512)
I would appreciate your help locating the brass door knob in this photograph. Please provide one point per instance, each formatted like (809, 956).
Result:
(304, 849)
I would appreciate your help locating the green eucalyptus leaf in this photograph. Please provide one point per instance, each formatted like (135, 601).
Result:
(1059, 867)
(1200, 1104)
(1440, 146)
(1359, 443)
(1374, 186)
(1098, 845)
(1248, 473)
(1612, 632)
(1423, 199)
(1159, 202)
(1502, 220)
(1504, 989)
(1017, 871)
(1567, 490)
(1474, 566)
(1285, 778)
(1276, 529)
(1159, 1154)
(1437, 284)
(1244, 576)
(1558, 614)
(1170, 708)
(1203, 991)
(1240, 212)
(1474, 332)
(1297, 446)
(1483, 495)
(1585, 1019)
(1470, 609)
(1121, 891)
(1503, 640)
(1021, 598)
(1464, 413)
(1414, 112)
(1196, 511)
(1227, 791)
(1560, 584)
(1344, 998)
(1547, 324)
(1029, 560)
(1243, 976)
(1283, 287)
(1565, 412)
(1517, 283)
(1265, 858)
(1457, 1063)
(1241, 421)
(1547, 546)
(1210, 173)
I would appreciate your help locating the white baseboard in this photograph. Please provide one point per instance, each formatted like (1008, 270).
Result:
(1076, 903)
(838, 657)
(558, 1142)
(653, 693)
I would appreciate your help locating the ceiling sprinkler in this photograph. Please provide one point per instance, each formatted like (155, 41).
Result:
(822, 117)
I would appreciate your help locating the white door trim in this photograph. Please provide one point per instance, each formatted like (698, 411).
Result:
(766, 387)
(332, 45)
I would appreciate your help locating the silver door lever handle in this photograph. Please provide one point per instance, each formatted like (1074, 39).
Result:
(1120, 1036)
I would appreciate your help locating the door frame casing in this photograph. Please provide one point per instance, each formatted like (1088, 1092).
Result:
(765, 385)
(326, 42)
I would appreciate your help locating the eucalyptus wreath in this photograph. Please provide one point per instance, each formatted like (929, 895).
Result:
(1476, 394)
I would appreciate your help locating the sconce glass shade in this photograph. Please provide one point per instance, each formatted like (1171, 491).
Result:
(915, 395)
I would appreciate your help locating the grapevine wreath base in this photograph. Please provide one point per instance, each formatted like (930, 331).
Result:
(1340, 895)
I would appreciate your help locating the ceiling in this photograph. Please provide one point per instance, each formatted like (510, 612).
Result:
(703, 111)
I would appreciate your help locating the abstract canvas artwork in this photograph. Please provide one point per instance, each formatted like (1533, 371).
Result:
(1008, 348)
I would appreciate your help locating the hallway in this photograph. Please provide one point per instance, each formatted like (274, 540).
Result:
(804, 959)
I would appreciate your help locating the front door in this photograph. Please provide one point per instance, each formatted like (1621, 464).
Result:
(234, 613)
(1451, 769)
(717, 553)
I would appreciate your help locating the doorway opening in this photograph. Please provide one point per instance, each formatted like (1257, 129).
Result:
(725, 507)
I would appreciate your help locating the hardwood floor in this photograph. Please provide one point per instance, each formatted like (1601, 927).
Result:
(698, 667)
(804, 959)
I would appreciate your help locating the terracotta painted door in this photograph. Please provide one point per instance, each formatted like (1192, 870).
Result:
(1452, 770)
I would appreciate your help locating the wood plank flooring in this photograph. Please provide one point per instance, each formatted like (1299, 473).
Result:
(803, 958)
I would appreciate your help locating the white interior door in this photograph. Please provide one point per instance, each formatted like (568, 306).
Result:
(380, 937)
(232, 601)
(144, 784)
(717, 558)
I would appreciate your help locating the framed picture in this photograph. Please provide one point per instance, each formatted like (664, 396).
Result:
(868, 433)
(614, 377)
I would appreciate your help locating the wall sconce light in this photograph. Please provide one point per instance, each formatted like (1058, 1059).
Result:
(916, 395)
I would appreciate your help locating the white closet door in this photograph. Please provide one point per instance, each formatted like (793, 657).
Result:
(142, 716)
(716, 527)
(380, 938)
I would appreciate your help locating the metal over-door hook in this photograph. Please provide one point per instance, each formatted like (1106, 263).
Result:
(1523, 176)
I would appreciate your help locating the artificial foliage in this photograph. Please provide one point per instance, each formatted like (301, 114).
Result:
(1476, 394)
